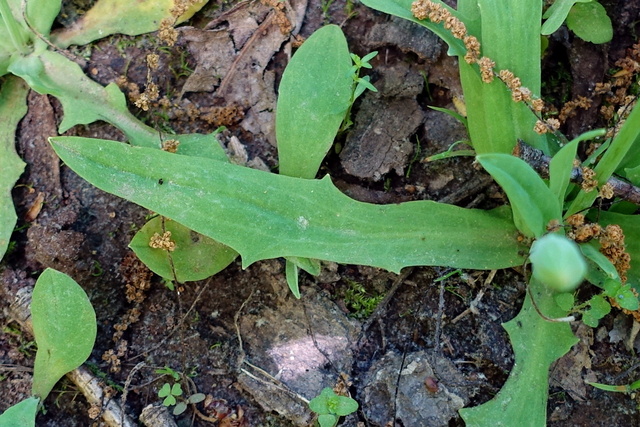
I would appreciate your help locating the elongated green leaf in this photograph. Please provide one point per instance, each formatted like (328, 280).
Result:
(109, 17)
(262, 215)
(615, 158)
(556, 14)
(22, 414)
(533, 204)
(590, 251)
(64, 326)
(195, 257)
(85, 101)
(509, 33)
(560, 168)
(13, 106)
(537, 343)
(313, 98)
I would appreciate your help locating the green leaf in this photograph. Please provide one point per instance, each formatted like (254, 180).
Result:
(165, 390)
(311, 266)
(565, 301)
(590, 319)
(64, 326)
(263, 215)
(495, 121)
(560, 168)
(42, 13)
(22, 414)
(314, 95)
(13, 106)
(599, 306)
(85, 101)
(169, 400)
(590, 22)
(176, 389)
(633, 174)
(319, 404)
(590, 251)
(196, 257)
(556, 14)
(196, 398)
(459, 117)
(626, 298)
(108, 17)
(533, 204)
(180, 408)
(291, 274)
(344, 406)
(327, 420)
(537, 343)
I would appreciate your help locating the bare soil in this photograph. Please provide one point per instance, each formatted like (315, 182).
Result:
(434, 345)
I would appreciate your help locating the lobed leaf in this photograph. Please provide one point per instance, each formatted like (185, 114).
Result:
(128, 17)
(13, 106)
(64, 327)
(537, 343)
(263, 215)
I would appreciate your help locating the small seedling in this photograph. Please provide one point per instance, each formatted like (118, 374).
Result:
(330, 407)
(170, 392)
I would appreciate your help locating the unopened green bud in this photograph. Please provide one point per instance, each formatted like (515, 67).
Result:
(557, 262)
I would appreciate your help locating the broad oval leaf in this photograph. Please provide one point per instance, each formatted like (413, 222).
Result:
(533, 204)
(590, 22)
(195, 257)
(263, 215)
(22, 414)
(313, 97)
(64, 326)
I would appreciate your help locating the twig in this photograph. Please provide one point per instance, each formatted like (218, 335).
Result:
(127, 384)
(440, 313)
(540, 163)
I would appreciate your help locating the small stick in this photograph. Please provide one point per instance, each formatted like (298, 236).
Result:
(540, 163)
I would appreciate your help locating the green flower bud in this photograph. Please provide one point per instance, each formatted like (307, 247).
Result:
(557, 262)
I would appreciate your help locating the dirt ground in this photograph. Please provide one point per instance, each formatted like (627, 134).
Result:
(240, 336)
